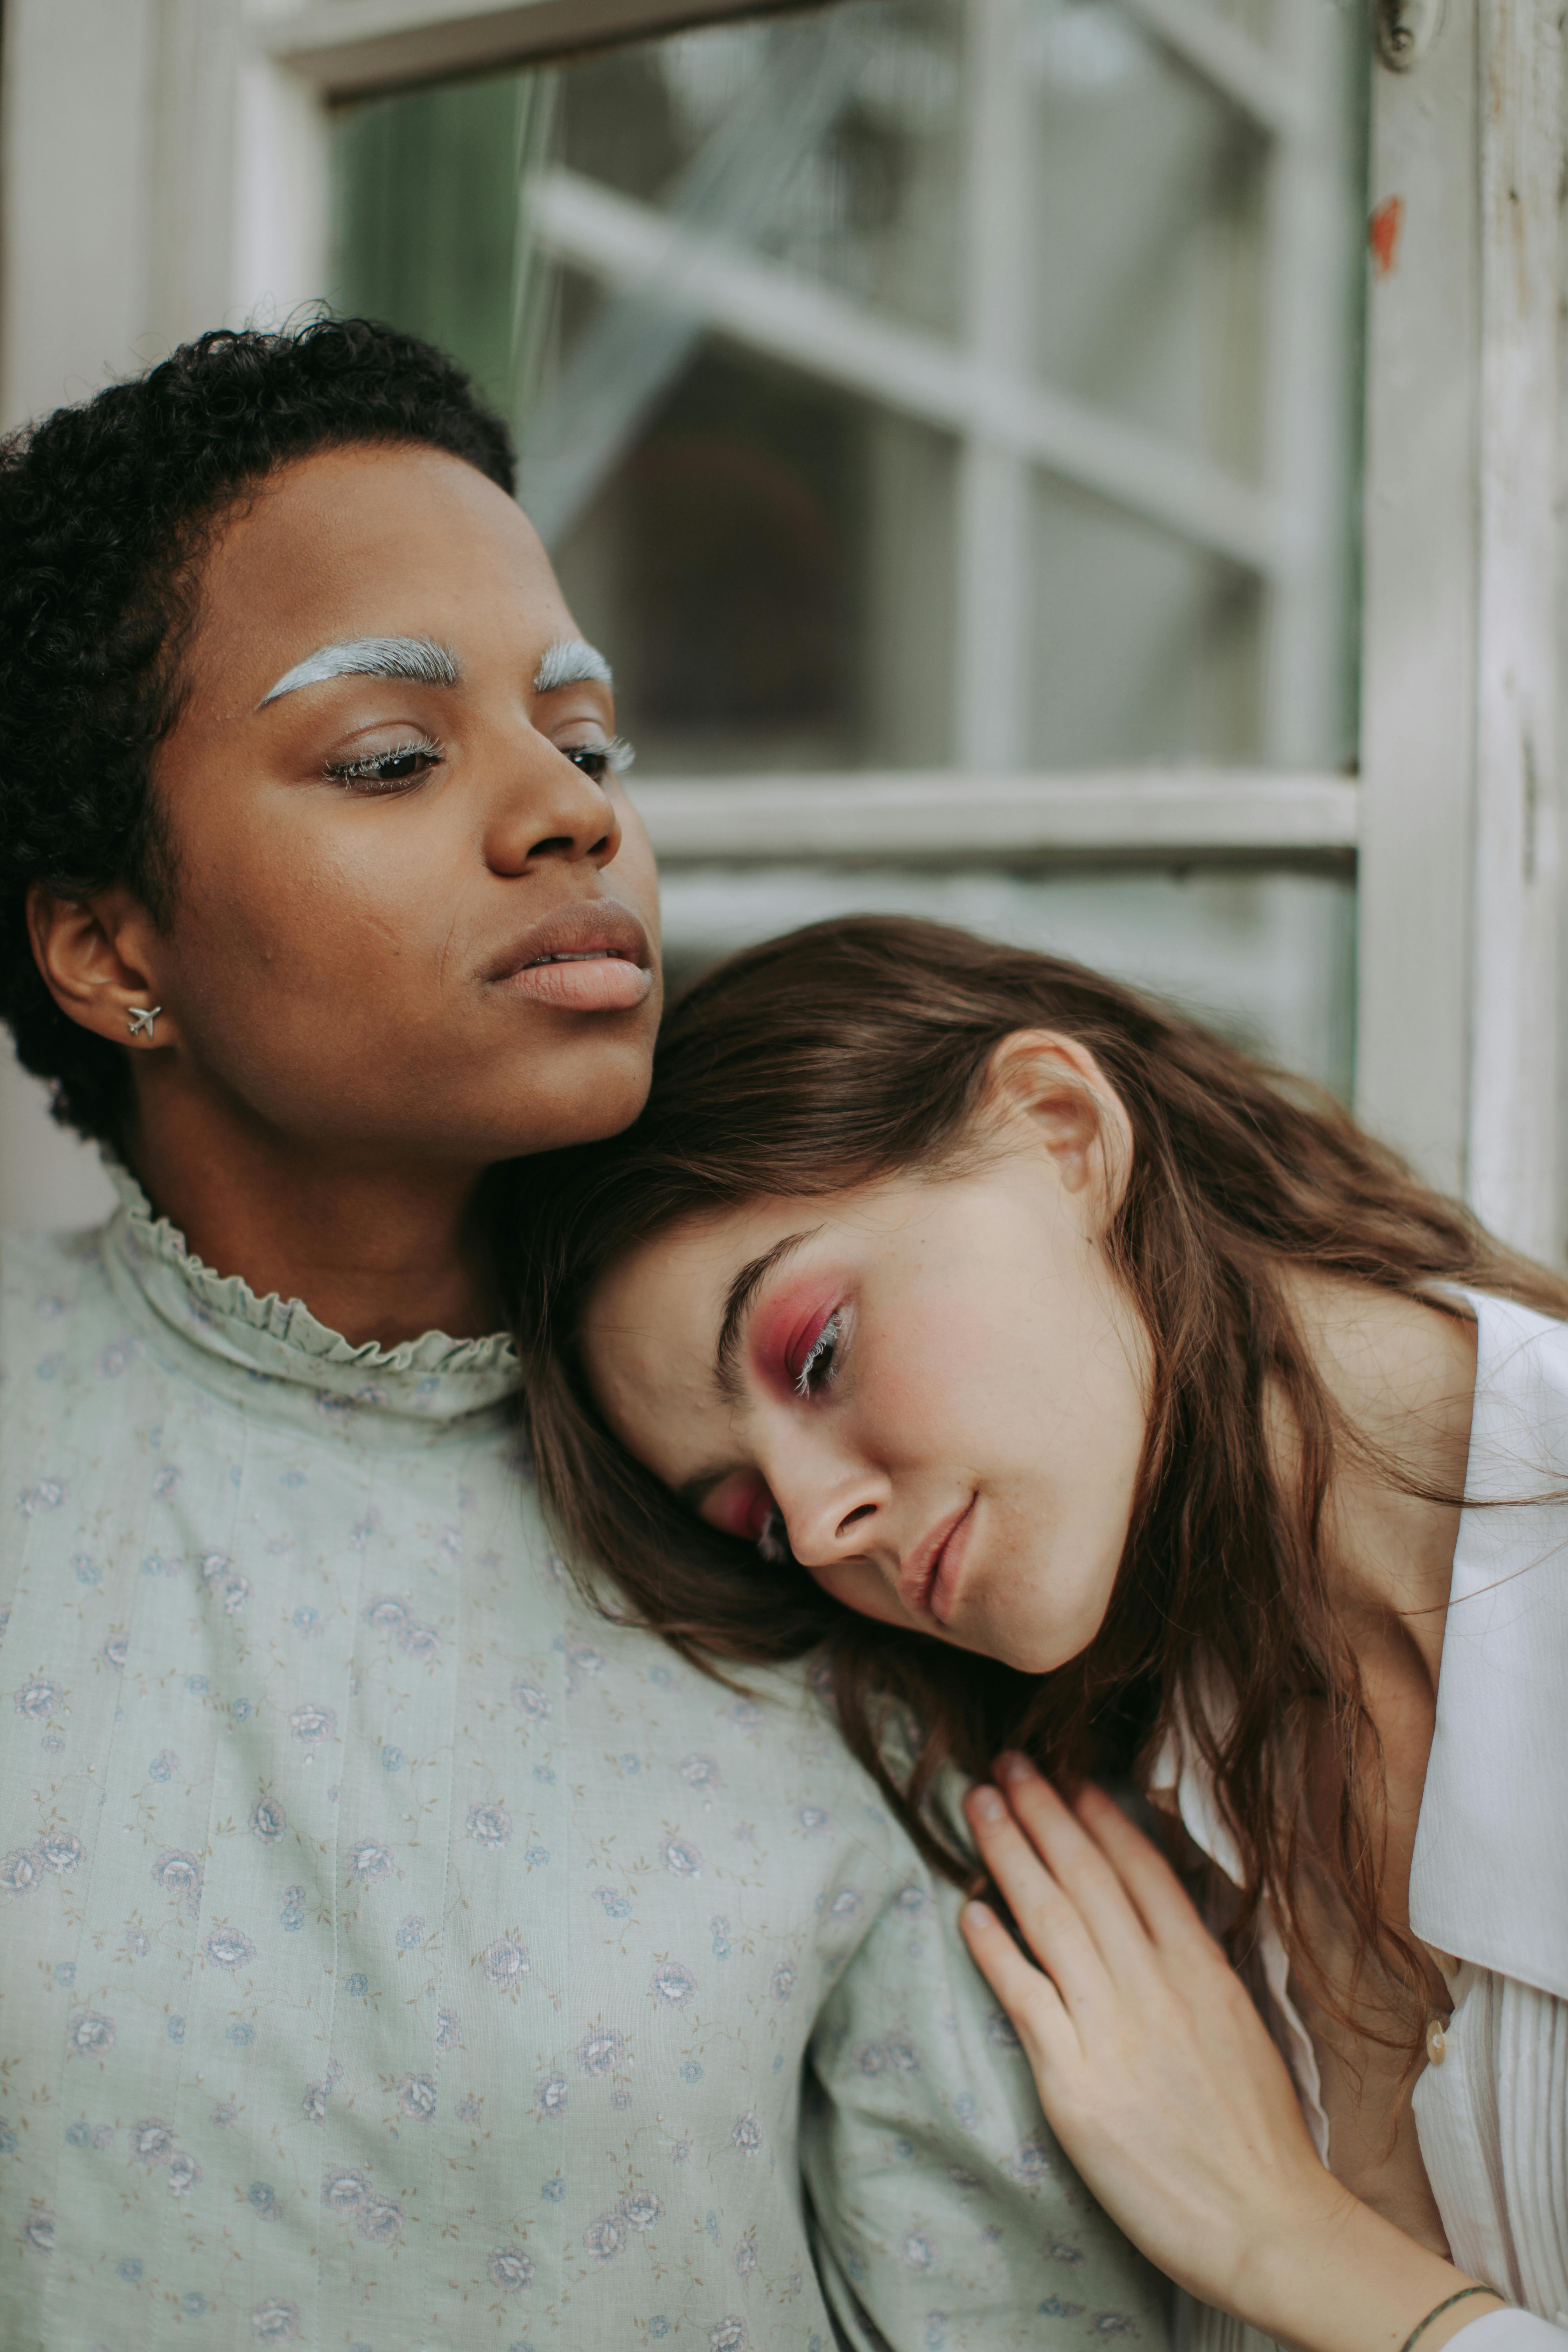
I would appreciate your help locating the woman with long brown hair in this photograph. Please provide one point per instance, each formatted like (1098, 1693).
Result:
(1108, 1408)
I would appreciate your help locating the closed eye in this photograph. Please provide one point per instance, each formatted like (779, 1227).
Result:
(819, 1365)
(394, 771)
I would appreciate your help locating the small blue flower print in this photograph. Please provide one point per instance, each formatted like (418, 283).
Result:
(549, 2097)
(274, 2321)
(184, 2173)
(469, 2108)
(343, 2190)
(936, 2330)
(746, 1714)
(152, 2142)
(918, 2252)
(509, 2269)
(965, 2108)
(165, 1480)
(229, 1949)
(305, 1621)
(912, 1901)
(267, 1821)
(699, 1772)
(87, 1572)
(602, 2050)
(369, 1862)
(65, 1972)
(1000, 2029)
(114, 1360)
(489, 1826)
(115, 1651)
(20, 1872)
(387, 1612)
(130, 2270)
(1030, 2161)
(1064, 2253)
(391, 1758)
(747, 2135)
(553, 2190)
(614, 1905)
(193, 2304)
(607, 2237)
(506, 1963)
(730, 2336)
(175, 2029)
(673, 1983)
(781, 1984)
(721, 1933)
(47, 1367)
(680, 1858)
(420, 1642)
(38, 1699)
(180, 1875)
(292, 1478)
(356, 1986)
(262, 2196)
(78, 2136)
(903, 2055)
(1111, 2323)
(240, 2033)
(416, 2098)
(631, 1764)
(813, 1820)
(89, 2035)
(691, 2070)
(658, 2329)
(7, 2140)
(448, 2029)
(293, 1915)
(530, 1700)
(240, 1710)
(381, 2220)
(163, 1766)
(845, 1904)
(411, 1934)
(661, 1677)
(46, 1496)
(311, 1724)
(197, 1685)
(641, 2210)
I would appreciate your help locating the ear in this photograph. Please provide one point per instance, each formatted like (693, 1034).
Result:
(1055, 1084)
(98, 958)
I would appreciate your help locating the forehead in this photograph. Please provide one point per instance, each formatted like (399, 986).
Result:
(366, 541)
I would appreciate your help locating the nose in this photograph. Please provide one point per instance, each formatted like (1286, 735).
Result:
(834, 1510)
(549, 808)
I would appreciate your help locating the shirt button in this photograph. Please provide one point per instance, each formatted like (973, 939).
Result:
(1437, 2044)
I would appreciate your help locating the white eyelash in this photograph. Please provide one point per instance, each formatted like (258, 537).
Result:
(773, 1543)
(829, 1336)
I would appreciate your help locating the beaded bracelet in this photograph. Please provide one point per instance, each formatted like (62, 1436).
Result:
(1439, 2309)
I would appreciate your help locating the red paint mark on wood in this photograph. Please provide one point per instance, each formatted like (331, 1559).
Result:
(1383, 232)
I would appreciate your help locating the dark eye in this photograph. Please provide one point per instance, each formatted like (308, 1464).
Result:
(387, 772)
(600, 761)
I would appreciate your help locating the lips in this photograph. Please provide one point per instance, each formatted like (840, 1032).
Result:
(591, 955)
(927, 1577)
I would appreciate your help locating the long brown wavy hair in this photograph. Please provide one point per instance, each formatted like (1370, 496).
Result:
(859, 1049)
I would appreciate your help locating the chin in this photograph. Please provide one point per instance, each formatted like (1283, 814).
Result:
(591, 1088)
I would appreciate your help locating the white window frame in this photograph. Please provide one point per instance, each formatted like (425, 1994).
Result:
(165, 165)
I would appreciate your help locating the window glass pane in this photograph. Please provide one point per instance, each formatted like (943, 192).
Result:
(916, 382)
(1266, 957)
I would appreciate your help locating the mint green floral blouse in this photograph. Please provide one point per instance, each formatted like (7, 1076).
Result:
(396, 1952)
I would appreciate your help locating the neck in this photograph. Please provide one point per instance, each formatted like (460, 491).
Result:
(1403, 1374)
(378, 1248)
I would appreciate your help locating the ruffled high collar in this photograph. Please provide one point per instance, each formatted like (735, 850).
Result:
(274, 1349)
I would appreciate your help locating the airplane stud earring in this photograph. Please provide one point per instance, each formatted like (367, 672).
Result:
(141, 1020)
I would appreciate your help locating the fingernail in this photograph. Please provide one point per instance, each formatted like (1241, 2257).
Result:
(988, 1804)
(1012, 1767)
(979, 1914)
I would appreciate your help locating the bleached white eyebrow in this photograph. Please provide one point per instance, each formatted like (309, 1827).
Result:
(571, 662)
(420, 659)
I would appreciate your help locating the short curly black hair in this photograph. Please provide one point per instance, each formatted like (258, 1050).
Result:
(104, 512)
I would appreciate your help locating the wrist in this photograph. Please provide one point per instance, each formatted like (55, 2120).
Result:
(1339, 2278)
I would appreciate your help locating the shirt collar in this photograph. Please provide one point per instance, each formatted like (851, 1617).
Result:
(1489, 1878)
(226, 1337)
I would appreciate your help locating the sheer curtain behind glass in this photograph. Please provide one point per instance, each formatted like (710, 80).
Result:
(959, 385)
